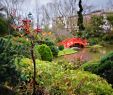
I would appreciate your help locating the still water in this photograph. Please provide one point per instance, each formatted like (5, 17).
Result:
(85, 54)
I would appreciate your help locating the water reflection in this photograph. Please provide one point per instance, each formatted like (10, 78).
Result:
(86, 54)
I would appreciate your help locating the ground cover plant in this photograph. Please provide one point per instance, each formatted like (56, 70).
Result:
(66, 51)
(53, 78)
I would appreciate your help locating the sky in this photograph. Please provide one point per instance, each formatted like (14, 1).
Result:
(29, 5)
(98, 3)
(94, 2)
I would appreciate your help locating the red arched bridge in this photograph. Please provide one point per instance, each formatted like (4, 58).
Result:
(73, 42)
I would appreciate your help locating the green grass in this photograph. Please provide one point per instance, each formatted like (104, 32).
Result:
(66, 51)
(94, 46)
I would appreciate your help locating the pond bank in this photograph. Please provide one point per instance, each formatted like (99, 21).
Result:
(86, 54)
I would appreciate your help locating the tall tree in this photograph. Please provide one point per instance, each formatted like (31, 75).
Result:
(80, 17)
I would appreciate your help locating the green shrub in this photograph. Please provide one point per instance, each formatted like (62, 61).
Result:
(8, 53)
(104, 68)
(110, 18)
(45, 52)
(57, 80)
(49, 42)
(91, 67)
(25, 66)
(54, 50)
(52, 46)
(61, 48)
(3, 27)
(36, 52)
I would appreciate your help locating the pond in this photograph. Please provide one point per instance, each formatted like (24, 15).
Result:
(85, 54)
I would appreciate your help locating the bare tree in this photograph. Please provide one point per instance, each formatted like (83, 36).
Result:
(110, 4)
(87, 7)
(3, 10)
(12, 6)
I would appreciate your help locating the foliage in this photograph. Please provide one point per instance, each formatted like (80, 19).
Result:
(22, 66)
(104, 68)
(66, 51)
(110, 19)
(45, 52)
(95, 48)
(96, 22)
(61, 47)
(3, 27)
(57, 80)
(108, 37)
(94, 41)
(48, 42)
(25, 45)
(54, 50)
(52, 46)
(36, 52)
(93, 30)
(8, 53)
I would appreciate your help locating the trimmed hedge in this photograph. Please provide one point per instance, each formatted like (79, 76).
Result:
(45, 52)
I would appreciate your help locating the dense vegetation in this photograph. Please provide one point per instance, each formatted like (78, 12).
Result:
(45, 52)
(8, 54)
(55, 79)
(31, 63)
(104, 68)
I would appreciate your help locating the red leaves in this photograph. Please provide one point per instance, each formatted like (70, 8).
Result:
(37, 30)
(26, 27)
(26, 21)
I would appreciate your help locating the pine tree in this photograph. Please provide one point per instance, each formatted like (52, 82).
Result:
(80, 17)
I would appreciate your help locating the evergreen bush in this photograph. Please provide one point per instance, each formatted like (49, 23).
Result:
(45, 52)
(104, 68)
(61, 47)
(8, 53)
(54, 50)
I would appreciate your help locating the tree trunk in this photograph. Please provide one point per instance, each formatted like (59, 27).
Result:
(34, 64)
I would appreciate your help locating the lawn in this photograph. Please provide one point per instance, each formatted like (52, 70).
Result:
(95, 46)
(66, 51)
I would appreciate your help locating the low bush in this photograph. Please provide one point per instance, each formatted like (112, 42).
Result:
(52, 46)
(48, 42)
(8, 71)
(104, 68)
(3, 27)
(61, 48)
(45, 52)
(54, 50)
(56, 80)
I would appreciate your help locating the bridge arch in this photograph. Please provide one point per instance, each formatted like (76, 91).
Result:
(77, 45)
(72, 42)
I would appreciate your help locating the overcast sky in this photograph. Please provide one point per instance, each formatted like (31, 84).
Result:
(29, 5)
